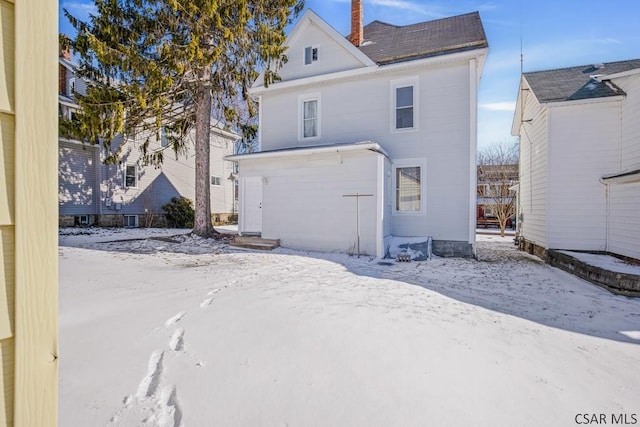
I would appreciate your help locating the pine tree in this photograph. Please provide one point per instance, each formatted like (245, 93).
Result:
(161, 65)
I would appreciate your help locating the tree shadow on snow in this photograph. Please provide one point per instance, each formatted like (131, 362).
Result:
(512, 282)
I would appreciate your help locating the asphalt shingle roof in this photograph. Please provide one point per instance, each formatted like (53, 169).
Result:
(385, 43)
(574, 83)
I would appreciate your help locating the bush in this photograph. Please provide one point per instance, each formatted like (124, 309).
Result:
(179, 212)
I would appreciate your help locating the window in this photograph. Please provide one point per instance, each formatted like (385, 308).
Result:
(163, 137)
(81, 220)
(404, 107)
(309, 117)
(408, 181)
(71, 86)
(215, 180)
(404, 100)
(131, 176)
(130, 220)
(310, 54)
(408, 189)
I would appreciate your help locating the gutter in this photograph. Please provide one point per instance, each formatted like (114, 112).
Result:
(630, 176)
(368, 145)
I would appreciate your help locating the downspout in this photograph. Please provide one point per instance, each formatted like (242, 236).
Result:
(473, 143)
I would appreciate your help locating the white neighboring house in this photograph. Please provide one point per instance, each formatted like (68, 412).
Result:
(388, 114)
(579, 132)
(123, 195)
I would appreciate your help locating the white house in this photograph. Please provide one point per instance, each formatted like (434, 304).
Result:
(580, 158)
(368, 137)
(128, 193)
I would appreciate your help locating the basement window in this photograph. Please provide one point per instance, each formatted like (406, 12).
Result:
(130, 220)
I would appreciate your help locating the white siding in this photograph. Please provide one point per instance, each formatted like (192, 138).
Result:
(332, 57)
(630, 142)
(175, 178)
(624, 221)
(303, 203)
(358, 110)
(533, 171)
(583, 146)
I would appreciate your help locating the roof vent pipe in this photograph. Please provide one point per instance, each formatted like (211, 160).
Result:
(357, 36)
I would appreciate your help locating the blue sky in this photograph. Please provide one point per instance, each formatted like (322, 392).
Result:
(555, 34)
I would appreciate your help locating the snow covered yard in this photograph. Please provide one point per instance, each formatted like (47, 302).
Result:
(188, 332)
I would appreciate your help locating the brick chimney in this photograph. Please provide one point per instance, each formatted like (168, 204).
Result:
(65, 53)
(356, 23)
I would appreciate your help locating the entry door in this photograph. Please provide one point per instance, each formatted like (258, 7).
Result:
(252, 208)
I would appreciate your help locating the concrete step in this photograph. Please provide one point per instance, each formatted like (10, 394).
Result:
(253, 242)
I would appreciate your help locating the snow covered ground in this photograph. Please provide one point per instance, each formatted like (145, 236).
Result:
(183, 331)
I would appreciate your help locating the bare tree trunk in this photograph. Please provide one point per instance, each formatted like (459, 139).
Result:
(202, 224)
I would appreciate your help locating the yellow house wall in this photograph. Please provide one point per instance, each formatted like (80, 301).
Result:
(28, 213)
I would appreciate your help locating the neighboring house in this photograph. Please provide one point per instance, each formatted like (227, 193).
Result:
(131, 194)
(580, 158)
(495, 192)
(383, 121)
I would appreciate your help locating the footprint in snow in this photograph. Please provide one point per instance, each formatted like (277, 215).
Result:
(175, 319)
(177, 340)
(150, 382)
(206, 303)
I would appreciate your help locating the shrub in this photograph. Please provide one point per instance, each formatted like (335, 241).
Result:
(179, 212)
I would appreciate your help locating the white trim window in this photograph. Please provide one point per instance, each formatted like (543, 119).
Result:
(409, 185)
(131, 176)
(71, 87)
(404, 102)
(215, 180)
(310, 54)
(309, 117)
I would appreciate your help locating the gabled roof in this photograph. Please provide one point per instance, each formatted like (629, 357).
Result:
(385, 43)
(576, 83)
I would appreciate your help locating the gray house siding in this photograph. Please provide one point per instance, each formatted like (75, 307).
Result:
(77, 178)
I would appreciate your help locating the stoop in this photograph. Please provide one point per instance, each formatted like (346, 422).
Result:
(253, 242)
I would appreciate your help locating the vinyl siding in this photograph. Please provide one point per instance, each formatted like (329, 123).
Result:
(175, 178)
(583, 146)
(303, 203)
(533, 171)
(332, 57)
(78, 169)
(624, 198)
(29, 360)
(624, 221)
(7, 168)
(7, 217)
(630, 124)
(361, 109)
